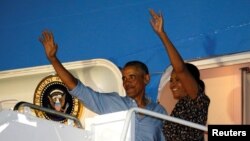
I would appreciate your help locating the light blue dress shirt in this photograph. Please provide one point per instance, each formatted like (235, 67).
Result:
(146, 128)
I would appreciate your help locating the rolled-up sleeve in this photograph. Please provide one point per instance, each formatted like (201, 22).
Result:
(100, 103)
(87, 96)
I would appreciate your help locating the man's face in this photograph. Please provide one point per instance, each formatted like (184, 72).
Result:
(134, 81)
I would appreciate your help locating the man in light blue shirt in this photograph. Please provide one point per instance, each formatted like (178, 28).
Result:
(135, 78)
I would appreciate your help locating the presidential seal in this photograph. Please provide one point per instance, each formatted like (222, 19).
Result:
(52, 93)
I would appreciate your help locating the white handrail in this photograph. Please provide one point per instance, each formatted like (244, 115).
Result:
(156, 115)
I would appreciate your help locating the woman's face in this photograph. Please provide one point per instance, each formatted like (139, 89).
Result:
(176, 87)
